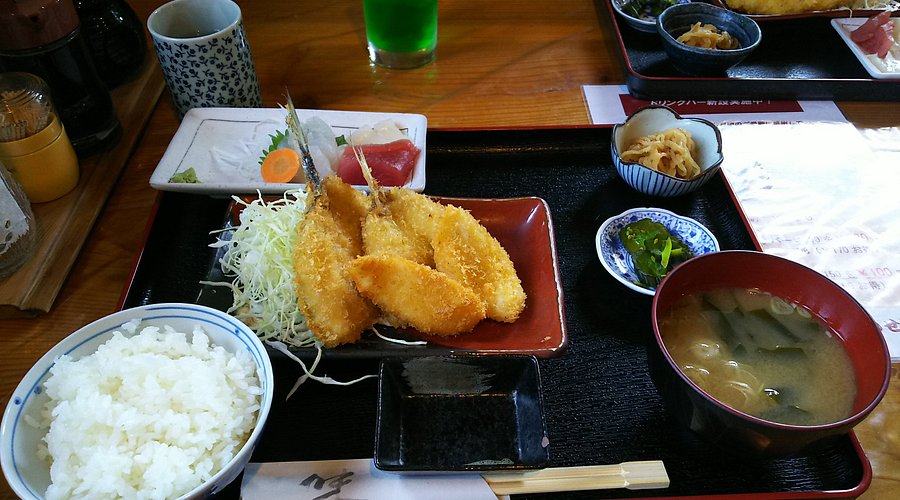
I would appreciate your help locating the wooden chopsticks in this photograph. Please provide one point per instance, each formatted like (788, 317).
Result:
(632, 475)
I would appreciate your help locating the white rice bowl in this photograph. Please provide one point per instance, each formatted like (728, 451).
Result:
(148, 430)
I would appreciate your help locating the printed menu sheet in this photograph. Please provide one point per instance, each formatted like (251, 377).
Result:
(357, 479)
(814, 188)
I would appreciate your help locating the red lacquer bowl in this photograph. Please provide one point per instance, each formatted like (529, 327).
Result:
(725, 426)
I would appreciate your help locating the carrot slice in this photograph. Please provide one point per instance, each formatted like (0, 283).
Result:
(280, 165)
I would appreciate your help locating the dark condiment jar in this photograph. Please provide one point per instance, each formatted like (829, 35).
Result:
(42, 37)
(115, 38)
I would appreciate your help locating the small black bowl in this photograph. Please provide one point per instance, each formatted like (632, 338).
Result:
(677, 20)
(460, 413)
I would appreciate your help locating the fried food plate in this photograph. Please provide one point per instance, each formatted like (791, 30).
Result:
(525, 229)
(802, 15)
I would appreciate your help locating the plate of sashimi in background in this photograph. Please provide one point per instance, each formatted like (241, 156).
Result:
(525, 229)
(845, 27)
(223, 146)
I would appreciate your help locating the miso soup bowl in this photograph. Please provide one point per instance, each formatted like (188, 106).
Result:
(732, 429)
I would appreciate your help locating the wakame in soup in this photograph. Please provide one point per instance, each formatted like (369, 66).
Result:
(761, 355)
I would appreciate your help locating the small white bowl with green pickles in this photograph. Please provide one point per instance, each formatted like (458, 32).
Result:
(617, 259)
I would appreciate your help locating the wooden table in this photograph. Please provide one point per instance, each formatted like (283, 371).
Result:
(499, 64)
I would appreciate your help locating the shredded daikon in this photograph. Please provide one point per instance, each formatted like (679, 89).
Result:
(308, 372)
(259, 255)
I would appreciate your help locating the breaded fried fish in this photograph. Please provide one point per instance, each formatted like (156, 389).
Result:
(417, 295)
(328, 238)
(402, 223)
(783, 7)
(335, 312)
(348, 207)
(467, 252)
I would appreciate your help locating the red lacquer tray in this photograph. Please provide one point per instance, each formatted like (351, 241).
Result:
(800, 57)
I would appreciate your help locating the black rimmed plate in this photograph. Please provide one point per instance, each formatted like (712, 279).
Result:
(460, 413)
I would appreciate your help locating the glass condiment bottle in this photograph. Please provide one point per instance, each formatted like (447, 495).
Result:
(43, 37)
(34, 146)
(114, 37)
(17, 226)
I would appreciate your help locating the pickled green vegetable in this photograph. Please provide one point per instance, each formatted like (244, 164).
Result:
(653, 250)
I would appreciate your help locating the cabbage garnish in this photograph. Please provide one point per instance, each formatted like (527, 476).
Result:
(876, 5)
(259, 255)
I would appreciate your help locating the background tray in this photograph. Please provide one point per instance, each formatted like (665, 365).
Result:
(63, 225)
(799, 58)
(600, 405)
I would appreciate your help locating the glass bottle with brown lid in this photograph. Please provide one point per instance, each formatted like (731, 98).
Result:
(43, 37)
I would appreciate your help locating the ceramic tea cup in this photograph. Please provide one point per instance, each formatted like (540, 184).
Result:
(204, 54)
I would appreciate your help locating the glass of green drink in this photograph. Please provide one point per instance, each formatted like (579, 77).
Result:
(401, 33)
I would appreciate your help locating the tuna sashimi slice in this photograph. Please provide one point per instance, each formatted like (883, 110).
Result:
(391, 163)
(875, 36)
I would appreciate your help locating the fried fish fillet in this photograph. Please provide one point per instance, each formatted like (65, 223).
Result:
(785, 7)
(466, 251)
(417, 295)
(403, 223)
(327, 243)
(348, 206)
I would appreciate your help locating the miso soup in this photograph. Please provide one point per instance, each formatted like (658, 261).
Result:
(761, 355)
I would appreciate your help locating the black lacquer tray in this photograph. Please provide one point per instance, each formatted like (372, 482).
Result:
(798, 58)
(600, 405)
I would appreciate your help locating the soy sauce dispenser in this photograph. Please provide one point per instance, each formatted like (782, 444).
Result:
(115, 38)
(43, 37)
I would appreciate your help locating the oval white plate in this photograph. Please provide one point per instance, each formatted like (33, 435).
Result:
(615, 258)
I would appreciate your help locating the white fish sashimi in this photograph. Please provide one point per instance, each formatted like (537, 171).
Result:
(321, 144)
(382, 132)
(321, 161)
(321, 136)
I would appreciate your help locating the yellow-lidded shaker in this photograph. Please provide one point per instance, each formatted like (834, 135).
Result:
(34, 146)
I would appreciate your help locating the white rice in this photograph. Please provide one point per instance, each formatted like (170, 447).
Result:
(150, 416)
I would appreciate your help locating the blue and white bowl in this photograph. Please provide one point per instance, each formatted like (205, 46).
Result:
(645, 23)
(617, 261)
(651, 120)
(29, 476)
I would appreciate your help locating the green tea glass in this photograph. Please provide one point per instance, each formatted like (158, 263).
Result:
(401, 33)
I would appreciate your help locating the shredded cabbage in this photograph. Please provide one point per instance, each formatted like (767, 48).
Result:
(877, 4)
(259, 255)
